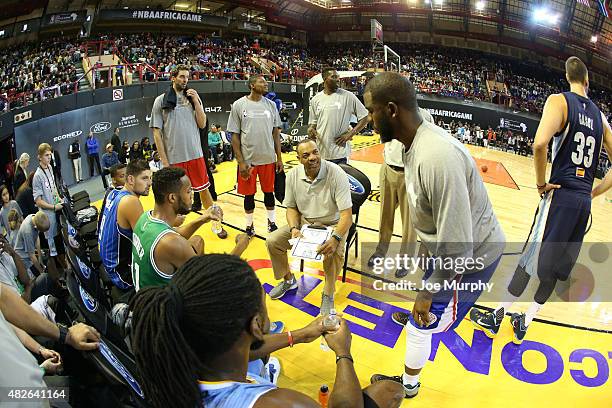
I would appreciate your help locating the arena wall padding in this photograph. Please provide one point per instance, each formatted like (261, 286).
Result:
(69, 121)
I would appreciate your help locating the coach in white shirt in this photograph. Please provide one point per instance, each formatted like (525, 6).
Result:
(393, 195)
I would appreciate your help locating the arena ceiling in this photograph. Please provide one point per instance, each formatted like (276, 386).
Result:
(568, 25)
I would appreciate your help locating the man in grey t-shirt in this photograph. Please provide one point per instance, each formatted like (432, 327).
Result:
(27, 238)
(450, 211)
(255, 126)
(176, 119)
(330, 115)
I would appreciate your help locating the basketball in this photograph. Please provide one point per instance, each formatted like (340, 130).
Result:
(484, 168)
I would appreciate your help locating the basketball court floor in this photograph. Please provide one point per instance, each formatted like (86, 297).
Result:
(565, 359)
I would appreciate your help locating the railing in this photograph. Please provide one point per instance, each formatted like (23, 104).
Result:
(21, 99)
(147, 73)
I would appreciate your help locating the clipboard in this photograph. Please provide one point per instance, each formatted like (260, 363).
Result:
(306, 246)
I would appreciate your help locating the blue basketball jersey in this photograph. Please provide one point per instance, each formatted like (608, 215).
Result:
(230, 394)
(576, 149)
(115, 242)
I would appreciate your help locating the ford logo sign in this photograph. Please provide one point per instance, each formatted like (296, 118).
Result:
(111, 358)
(100, 127)
(89, 302)
(356, 186)
(85, 271)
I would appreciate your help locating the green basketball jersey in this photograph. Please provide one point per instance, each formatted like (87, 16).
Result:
(148, 232)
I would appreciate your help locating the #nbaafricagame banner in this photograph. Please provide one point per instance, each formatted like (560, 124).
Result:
(164, 15)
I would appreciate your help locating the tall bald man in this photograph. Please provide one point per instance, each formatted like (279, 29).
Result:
(393, 195)
(450, 211)
(330, 118)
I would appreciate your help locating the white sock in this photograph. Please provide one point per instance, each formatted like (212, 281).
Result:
(272, 215)
(533, 310)
(411, 380)
(249, 219)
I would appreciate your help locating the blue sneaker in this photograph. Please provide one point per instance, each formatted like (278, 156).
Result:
(276, 327)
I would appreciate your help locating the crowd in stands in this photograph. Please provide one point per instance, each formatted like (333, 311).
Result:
(43, 70)
(499, 138)
(48, 69)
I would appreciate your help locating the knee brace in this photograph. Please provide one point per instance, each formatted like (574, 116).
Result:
(269, 200)
(249, 203)
(418, 347)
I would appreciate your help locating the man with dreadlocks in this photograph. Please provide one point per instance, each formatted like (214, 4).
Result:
(159, 250)
(205, 330)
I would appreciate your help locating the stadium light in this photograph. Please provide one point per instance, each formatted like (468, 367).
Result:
(543, 15)
(480, 5)
(593, 38)
(182, 6)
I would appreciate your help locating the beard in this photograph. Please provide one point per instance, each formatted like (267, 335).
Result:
(142, 193)
(385, 130)
(183, 207)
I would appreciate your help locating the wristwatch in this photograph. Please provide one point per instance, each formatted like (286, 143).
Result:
(294, 227)
(338, 237)
(63, 333)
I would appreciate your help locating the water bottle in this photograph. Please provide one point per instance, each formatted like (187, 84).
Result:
(216, 225)
(323, 396)
(331, 323)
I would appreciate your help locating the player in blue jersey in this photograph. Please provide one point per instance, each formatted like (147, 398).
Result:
(194, 337)
(578, 130)
(119, 217)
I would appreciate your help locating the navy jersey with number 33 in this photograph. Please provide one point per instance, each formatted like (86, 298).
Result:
(576, 149)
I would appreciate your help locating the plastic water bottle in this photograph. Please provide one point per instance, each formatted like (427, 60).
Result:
(323, 396)
(331, 322)
(216, 225)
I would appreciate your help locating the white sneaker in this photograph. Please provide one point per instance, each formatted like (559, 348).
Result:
(273, 369)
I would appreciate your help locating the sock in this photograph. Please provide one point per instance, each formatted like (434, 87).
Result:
(410, 380)
(533, 310)
(504, 306)
(249, 219)
(272, 215)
